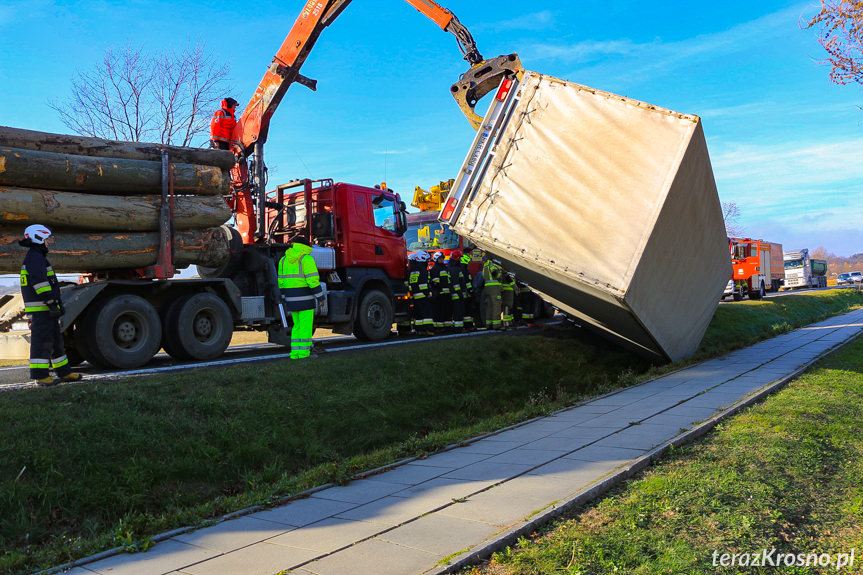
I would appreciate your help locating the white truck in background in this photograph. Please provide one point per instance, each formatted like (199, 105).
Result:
(802, 271)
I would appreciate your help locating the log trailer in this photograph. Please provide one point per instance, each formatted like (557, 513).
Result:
(122, 317)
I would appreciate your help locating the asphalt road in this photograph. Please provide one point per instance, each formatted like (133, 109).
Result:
(18, 377)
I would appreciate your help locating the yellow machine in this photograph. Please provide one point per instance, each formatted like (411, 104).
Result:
(433, 200)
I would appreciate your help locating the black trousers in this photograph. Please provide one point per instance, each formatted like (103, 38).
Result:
(46, 346)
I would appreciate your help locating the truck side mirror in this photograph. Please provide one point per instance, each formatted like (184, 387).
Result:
(401, 219)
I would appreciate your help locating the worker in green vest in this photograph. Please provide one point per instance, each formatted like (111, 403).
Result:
(301, 291)
(492, 273)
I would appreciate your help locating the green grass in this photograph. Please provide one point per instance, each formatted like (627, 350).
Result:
(90, 467)
(785, 474)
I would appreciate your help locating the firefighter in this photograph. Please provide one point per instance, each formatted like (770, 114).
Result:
(440, 287)
(222, 125)
(526, 298)
(492, 273)
(467, 293)
(458, 291)
(301, 291)
(41, 293)
(418, 287)
(507, 298)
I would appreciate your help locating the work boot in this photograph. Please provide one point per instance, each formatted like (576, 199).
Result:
(46, 381)
(70, 377)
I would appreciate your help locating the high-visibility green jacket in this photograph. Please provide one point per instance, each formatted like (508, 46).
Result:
(299, 282)
(491, 273)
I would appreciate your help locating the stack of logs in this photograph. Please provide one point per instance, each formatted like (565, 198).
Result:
(102, 198)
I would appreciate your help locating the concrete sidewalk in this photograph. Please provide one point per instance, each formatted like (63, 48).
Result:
(436, 514)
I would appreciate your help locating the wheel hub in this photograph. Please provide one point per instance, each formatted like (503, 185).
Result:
(125, 331)
(203, 326)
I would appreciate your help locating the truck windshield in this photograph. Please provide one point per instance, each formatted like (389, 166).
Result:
(430, 236)
(791, 264)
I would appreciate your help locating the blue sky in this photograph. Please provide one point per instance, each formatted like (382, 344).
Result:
(785, 142)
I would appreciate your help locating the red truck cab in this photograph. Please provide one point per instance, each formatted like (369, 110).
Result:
(357, 237)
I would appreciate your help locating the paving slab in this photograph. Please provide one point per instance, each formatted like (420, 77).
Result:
(391, 511)
(440, 534)
(304, 511)
(166, 556)
(229, 535)
(328, 535)
(491, 509)
(489, 471)
(466, 500)
(360, 492)
(374, 557)
(259, 559)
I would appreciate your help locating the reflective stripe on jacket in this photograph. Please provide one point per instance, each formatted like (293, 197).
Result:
(491, 273)
(39, 285)
(222, 125)
(418, 285)
(299, 282)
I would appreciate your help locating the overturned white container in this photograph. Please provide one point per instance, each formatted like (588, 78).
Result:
(605, 205)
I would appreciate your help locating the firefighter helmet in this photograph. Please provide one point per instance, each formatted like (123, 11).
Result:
(422, 256)
(465, 259)
(438, 256)
(455, 255)
(37, 233)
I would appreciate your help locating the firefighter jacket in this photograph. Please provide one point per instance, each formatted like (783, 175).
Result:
(468, 281)
(299, 282)
(39, 286)
(418, 281)
(439, 279)
(457, 280)
(222, 125)
(491, 273)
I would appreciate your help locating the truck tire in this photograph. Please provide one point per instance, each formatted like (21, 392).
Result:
(123, 331)
(374, 317)
(197, 326)
(757, 294)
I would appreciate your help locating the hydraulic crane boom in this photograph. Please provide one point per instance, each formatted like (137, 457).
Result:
(252, 126)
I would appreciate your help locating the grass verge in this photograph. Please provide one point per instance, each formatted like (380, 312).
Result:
(784, 475)
(89, 467)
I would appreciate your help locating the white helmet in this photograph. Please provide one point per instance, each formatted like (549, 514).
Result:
(37, 233)
(438, 256)
(422, 256)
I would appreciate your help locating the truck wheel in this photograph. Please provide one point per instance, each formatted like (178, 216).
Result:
(374, 317)
(197, 326)
(759, 293)
(124, 332)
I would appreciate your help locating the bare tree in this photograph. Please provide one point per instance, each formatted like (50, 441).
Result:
(821, 253)
(134, 96)
(840, 24)
(731, 213)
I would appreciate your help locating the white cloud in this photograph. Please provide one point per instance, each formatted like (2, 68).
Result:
(536, 21)
(651, 58)
(805, 193)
